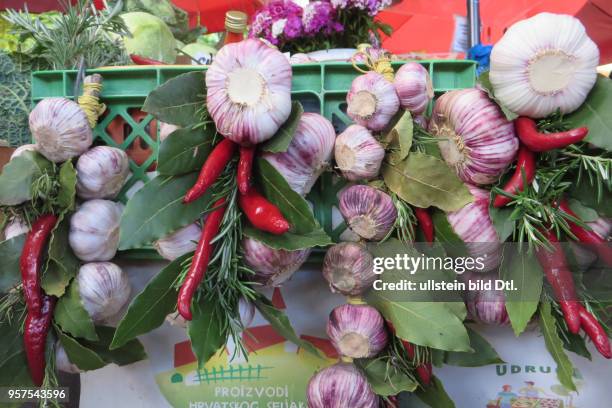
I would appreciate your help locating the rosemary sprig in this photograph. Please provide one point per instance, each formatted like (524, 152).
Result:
(421, 138)
(553, 123)
(405, 221)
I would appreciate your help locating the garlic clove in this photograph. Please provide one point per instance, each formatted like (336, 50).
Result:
(341, 385)
(414, 88)
(348, 235)
(22, 149)
(358, 154)
(476, 139)
(63, 363)
(104, 289)
(94, 230)
(372, 101)
(308, 155)
(175, 319)
(272, 266)
(246, 310)
(165, 129)
(179, 243)
(349, 269)
(357, 331)
(60, 128)
(249, 91)
(101, 172)
(544, 63)
(15, 227)
(369, 212)
(487, 306)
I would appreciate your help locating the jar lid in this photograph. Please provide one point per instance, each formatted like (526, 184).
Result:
(235, 21)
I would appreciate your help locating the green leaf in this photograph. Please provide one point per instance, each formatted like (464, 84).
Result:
(585, 193)
(13, 364)
(185, 150)
(67, 186)
(382, 382)
(78, 354)
(282, 139)
(72, 317)
(19, 174)
(157, 210)
(483, 354)
(595, 114)
(554, 344)
(435, 395)
(573, 342)
(280, 322)
(425, 181)
(62, 265)
(523, 268)
(178, 100)
(485, 83)
(150, 307)
(583, 212)
(399, 138)
(10, 252)
(129, 353)
(445, 234)
(502, 221)
(290, 241)
(206, 333)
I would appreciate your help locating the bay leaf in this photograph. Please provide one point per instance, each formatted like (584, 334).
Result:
(18, 175)
(435, 395)
(282, 139)
(129, 353)
(385, 382)
(207, 334)
(66, 195)
(290, 241)
(185, 150)
(554, 344)
(83, 357)
(13, 363)
(483, 354)
(10, 252)
(399, 138)
(62, 265)
(70, 314)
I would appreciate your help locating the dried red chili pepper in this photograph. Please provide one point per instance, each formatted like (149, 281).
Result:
(212, 169)
(264, 215)
(595, 242)
(525, 161)
(425, 223)
(423, 371)
(140, 60)
(596, 333)
(99, 4)
(31, 259)
(200, 259)
(245, 168)
(527, 131)
(35, 338)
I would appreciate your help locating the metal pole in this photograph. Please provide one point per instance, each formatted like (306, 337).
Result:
(473, 14)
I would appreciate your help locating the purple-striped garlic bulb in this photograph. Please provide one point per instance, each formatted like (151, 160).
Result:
(22, 149)
(94, 230)
(341, 385)
(179, 243)
(414, 88)
(60, 128)
(348, 267)
(272, 267)
(486, 306)
(358, 154)
(474, 226)
(372, 101)
(476, 139)
(15, 227)
(357, 331)
(368, 212)
(421, 120)
(101, 172)
(249, 91)
(308, 155)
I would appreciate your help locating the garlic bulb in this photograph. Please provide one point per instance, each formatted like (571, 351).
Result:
(473, 225)
(357, 331)
(348, 267)
(300, 58)
(15, 227)
(101, 172)
(104, 289)
(369, 212)
(249, 91)
(22, 149)
(372, 101)
(179, 243)
(358, 154)
(486, 306)
(476, 139)
(414, 88)
(544, 63)
(341, 385)
(63, 363)
(165, 129)
(60, 128)
(94, 230)
(308, 155)
(272, 266)
(421, 120)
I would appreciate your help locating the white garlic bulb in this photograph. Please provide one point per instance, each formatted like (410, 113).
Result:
(63, 363)
(94, 230)
(544, 63)
(179, 243)
(372, 101)
(15, 227)
(414, 88)
(60, 128)
(101, 172)
(249, 91)
(104, 289)
(272, 266)
(22, 149)
(358, 154)
(308, 155)
(165, 129)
